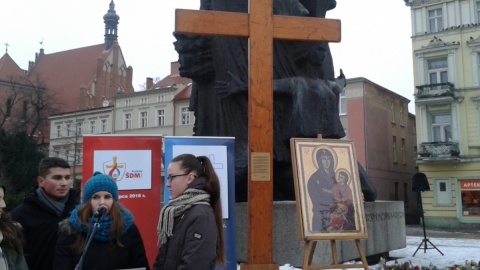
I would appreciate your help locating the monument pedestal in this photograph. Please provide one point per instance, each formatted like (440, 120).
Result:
(385, 225)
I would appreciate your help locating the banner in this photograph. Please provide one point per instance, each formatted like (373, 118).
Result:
(221, 152)
(134, 161)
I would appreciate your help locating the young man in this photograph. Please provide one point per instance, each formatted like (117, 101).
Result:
(43, 208)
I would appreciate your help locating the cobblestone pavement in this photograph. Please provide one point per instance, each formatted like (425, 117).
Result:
(417, 230)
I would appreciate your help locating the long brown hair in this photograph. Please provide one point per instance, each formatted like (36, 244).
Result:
(13, 239)
(116, 227)
(203, 167)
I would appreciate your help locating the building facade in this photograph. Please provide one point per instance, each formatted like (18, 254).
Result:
(446, 57)
(162, 109)
(67, 130)
(383, 131)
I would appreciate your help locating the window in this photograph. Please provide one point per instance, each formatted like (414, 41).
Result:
(185, 116)
(59, 131)
(79, 128)
(402, 117)
(69, 126)
(161, 98)
(67, 155)
(437, 71)
(342, 106)
(128, 102)
(441, 128)
(443, 191)
(92, 127)
(127, 121)
(470, 190)
(404, 160)
(78, 156)
(435, 20)
(160, 117)
(143, 119)
(392, 112)
(394, 148)
(25, 110)
(144, 101)
(104, 125)
(9, 107)
(478, 12)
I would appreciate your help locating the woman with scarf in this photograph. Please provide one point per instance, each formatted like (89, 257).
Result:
(116, 242)
(11, 240)
(190, 227)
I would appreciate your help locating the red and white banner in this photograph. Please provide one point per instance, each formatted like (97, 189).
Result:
(135, 162)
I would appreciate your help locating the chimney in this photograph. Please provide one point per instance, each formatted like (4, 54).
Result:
(31, 65)
(149, 83)
(174, 68)
(39, 55)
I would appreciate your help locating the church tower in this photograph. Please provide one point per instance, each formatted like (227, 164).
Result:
(111, 22)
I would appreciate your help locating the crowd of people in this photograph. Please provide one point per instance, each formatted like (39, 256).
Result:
(53, 229)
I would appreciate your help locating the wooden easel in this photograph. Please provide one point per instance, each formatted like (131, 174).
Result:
(309, 250)
(311, 240)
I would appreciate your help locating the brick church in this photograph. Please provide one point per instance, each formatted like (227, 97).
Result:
(71, 80)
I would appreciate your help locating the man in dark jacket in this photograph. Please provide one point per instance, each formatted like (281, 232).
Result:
(43, 208)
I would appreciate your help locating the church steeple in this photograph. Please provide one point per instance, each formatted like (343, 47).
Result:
(111, 22)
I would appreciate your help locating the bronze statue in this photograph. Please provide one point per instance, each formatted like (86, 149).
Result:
(306, 93)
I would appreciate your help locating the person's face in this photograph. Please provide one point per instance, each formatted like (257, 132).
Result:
(326, 162)
(342, 179)
(101, 198)
(2, 201)
(178, 180)
(57, 183)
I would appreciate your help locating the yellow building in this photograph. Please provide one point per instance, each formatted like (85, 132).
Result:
(446, 65)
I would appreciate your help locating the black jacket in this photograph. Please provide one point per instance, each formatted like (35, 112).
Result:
(40, 228)
(193, 245)
(101, 255)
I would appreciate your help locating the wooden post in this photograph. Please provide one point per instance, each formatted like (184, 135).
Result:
(261, 27)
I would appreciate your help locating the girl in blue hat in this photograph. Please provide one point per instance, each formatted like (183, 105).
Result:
(115, 243)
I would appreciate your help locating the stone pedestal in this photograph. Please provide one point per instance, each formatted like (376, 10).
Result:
(385, 225)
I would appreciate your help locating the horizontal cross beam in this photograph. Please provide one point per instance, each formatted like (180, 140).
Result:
(216, 23)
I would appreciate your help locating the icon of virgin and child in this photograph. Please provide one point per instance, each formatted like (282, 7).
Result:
(330, 194)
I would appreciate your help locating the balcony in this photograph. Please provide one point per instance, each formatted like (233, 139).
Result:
(438, 151)
(435, 90)
(437, 93)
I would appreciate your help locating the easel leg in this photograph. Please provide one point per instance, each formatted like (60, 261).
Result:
(333, 246)
(308, 251)
(362, 254)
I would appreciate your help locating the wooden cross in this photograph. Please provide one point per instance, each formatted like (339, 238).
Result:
(6, 47)
(261, 27)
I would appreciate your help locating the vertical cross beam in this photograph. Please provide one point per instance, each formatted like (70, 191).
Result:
(260, 134)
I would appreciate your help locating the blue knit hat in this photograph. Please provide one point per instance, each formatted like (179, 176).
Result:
(100, 182)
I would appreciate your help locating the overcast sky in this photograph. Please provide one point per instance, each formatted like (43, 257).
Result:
(375, 44)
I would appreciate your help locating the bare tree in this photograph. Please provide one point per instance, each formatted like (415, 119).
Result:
(25, 105)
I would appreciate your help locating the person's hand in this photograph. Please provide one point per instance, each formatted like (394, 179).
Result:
(342, 208)
(234, 86)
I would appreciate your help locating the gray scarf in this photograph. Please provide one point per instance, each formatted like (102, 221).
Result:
(57, 206)
(176, 208)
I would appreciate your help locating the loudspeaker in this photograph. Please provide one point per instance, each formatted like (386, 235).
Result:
(420, 182)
